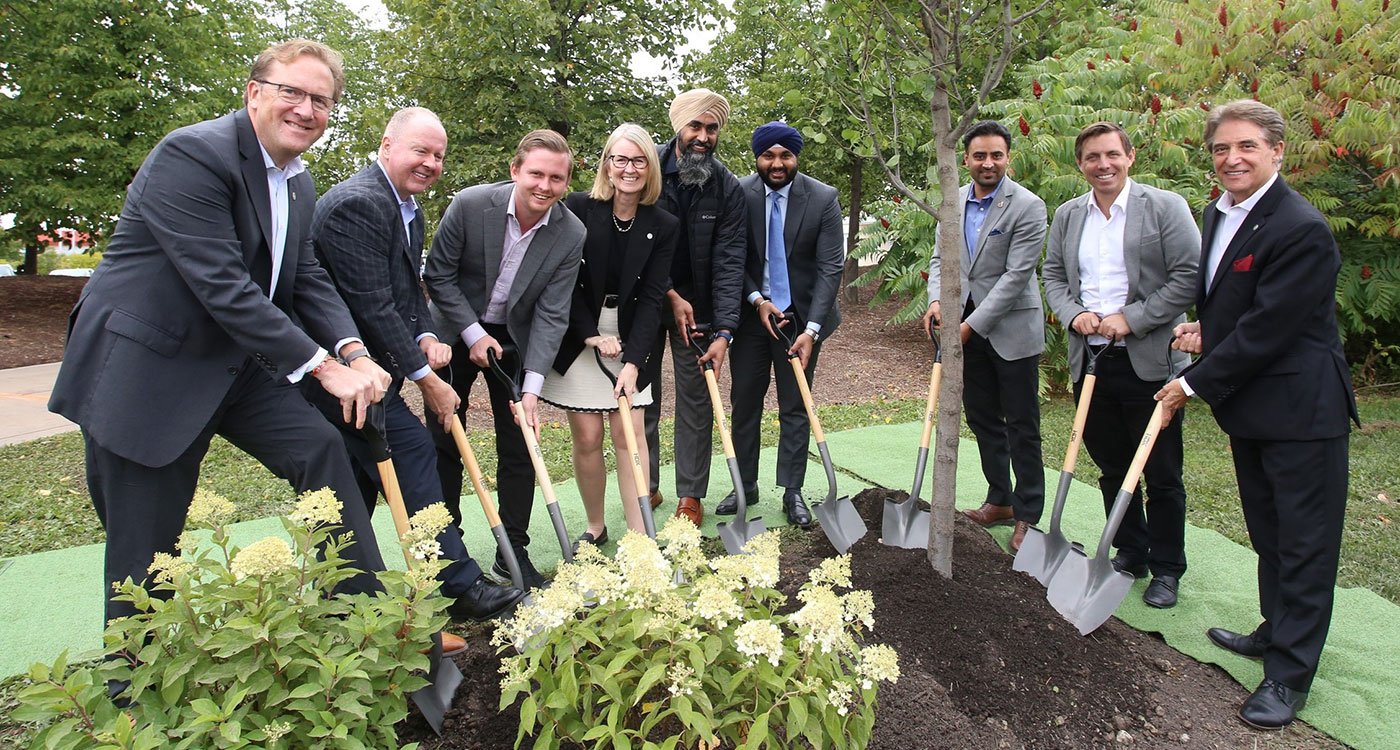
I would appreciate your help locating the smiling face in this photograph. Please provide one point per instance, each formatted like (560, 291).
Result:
(628, 179)
(288, 130)
(1244, 159)
(986, 160)
(540, 180)
(698, 136)
(776, 166)
(412, 157)
(1105, 162)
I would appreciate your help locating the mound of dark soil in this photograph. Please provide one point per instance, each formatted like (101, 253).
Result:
(986, 663)
(34, 318)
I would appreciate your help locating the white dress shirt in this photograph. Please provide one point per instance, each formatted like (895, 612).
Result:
(1103, 272)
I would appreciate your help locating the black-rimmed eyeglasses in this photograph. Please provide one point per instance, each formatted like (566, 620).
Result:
(294, 95)
(638, 162)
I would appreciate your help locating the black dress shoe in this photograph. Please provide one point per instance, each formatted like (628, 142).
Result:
(1244, 644)
(1123, 565)
(1272, 706)
(730, 504)
(1161, 593)
(796, 508)
(533, 579)
(484, 601)
(596, 541)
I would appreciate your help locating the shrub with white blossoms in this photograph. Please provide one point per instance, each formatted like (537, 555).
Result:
(249, 648)
(625, 652)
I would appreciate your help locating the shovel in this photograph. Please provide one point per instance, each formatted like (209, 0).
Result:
(488, 506)
(629, 438)
(443, 676)
(904, 524)
(1041, 554)
(837, 517)
(512, 383)
(735, 534)
(1087, 591)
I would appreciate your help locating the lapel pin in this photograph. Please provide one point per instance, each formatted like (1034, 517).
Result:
(648, 235)
(1001, 203)
(1256, 226)
(294, 195)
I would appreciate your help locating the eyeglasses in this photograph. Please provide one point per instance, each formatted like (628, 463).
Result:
(638, 162)
(294, 95)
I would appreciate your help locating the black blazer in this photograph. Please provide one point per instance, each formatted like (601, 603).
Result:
(645, 273)
(360, 239)
(1272, 366)
(815, 246)
(179, 303)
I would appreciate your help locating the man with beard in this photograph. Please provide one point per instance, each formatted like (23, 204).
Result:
(1002, 328)
(793, 272)
(707, 273)
(502, 272)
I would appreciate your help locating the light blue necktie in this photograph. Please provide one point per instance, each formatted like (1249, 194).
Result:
(777, 257)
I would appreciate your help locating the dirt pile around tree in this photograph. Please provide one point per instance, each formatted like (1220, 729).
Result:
(34, 318)
(986, 663)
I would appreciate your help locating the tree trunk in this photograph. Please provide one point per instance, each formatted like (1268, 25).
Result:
(945, 457)
(31, 258)
(852, 268)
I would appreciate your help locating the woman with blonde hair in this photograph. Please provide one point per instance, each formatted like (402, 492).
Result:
(617, 312)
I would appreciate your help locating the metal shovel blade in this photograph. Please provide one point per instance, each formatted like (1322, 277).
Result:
(841, 523)
(1042, 553)
(1087, 591)
(434, 700)
(735, 534)
(904, 524)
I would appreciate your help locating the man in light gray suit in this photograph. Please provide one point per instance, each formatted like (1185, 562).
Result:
(1120, 273)
(1002, 328)
(502, 271)
(793, 272)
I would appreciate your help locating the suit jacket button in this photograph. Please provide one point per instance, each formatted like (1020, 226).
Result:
(233, 370)
(413, 318)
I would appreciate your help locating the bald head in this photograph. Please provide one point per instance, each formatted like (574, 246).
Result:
(412, 150)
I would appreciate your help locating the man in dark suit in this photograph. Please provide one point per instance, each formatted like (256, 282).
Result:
(1272, 370)
(369, 235)
(793, 272)
(1002, 328)
(208, 307)
(502, 271)
(1119, 273)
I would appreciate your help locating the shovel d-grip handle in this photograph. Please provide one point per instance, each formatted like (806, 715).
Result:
(510, 380)
(699, 337)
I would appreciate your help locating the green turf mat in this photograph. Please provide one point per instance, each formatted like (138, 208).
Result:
(1360, 671)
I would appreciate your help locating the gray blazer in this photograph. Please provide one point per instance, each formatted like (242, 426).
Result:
(1001, 281)
(814, 243)
(180, 303)
(466, 258)
(1161, 249)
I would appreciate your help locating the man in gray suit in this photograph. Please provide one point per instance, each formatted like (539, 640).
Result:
(208, 307)
(1120, 273)
(793, 272)
(1002, 328)
(502, 272)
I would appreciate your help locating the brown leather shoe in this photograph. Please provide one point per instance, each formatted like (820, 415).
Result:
(690, 509)
(1019, 535)
(656, 499)
(990, 515)
(451, 645)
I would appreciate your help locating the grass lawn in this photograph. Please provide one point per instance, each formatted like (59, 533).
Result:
(44, 503)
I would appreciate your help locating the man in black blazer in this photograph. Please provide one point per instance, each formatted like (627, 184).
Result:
(793, 271)
(208, 307)
(1272, 370)
(502, 270)
(368, 232)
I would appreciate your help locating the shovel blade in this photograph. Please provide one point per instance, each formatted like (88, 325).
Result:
(1041, 554)
(904, 525)
(1087, 591)
(735, 534)
(435, 699)
(841, 523)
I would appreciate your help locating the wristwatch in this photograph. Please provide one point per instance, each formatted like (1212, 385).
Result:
(354, 355)
(725, 334)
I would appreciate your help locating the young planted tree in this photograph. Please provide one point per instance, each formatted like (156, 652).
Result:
(951, 56)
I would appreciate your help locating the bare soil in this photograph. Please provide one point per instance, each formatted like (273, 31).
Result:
(985, 661)
(34, 318)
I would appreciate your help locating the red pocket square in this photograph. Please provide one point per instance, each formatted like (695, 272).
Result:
(1243, 264)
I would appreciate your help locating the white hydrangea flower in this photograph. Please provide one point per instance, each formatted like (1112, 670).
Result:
(715, 604)
(859, 606)
(645, 572)
(681, 680)
(208, 510)
(681, 540)
(262, 558)
(759, 639)
(423, 530)
(514, 670)
(168, 568)
(877, 664)
(316, 508)
(840, 696)
(550, 608)
(820, 620)
(833, 571)
(277, 730)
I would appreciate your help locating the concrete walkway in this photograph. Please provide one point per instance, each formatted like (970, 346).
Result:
(24, 398)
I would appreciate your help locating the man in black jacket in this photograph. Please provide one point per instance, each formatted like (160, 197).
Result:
(707, 277)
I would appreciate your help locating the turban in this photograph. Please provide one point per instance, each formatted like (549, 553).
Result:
(695, 102)
(776, 133)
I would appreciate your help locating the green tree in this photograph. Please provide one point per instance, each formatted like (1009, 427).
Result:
(87, 88)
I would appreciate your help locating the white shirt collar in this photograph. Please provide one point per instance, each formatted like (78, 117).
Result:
(410, 200)
(294, 167)
(510, 211)
(1227, 201)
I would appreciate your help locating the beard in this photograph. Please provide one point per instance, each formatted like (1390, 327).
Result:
(695, 168)
(778, 184)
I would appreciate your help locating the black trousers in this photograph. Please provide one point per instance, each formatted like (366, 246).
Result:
(753, 360)
(1000, 398)
(1294, 498)
(515, 475)
(1118, 415)
(143, 508)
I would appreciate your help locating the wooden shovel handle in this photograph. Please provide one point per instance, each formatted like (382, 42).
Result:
(935, 381)
(806, 392)
(390, 479)
(718, 407)
(488, 506)
(629, 438)
(1149, 437)
(1081, 415)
